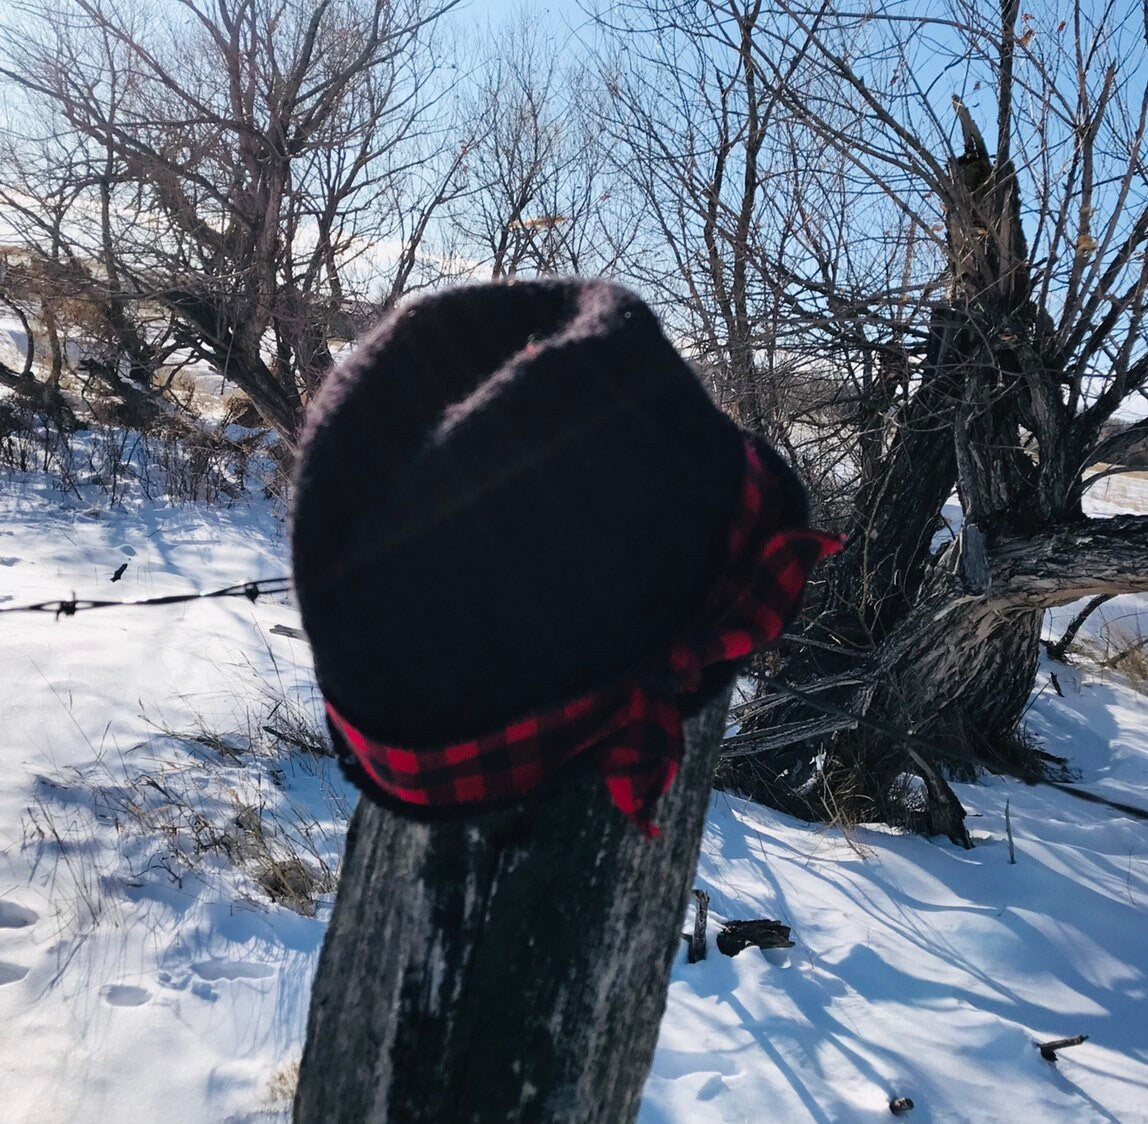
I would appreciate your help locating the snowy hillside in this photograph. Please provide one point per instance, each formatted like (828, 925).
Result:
(155, 802)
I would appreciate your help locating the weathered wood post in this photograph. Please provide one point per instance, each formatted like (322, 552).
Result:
(529, 554)
(510, 967)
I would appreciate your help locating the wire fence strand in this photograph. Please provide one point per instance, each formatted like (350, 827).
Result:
(70, 606)
(253, 590)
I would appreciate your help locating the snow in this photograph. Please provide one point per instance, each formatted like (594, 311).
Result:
(1118, 494)
(132, 981)
(145, 972)
(922, 970)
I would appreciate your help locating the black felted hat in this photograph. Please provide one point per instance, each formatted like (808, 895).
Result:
(510, 494)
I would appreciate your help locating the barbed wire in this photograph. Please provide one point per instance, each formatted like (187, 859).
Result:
(69, 607)
(253, 590)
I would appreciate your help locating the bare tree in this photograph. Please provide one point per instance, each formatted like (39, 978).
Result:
(689, 127)
(713, 158)
(539, 197)
(63, 281)
(983, 307)
(243, 165)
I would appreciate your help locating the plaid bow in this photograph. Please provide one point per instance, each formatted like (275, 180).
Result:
(635, 726)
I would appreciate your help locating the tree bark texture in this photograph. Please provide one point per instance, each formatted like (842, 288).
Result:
(957, 669)
(512, 966)
(895, 516)
(1065, 563)
(977, 655)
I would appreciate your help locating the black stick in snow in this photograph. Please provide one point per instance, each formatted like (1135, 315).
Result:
(1008, 832)
(697, 949)
(1048, 1049)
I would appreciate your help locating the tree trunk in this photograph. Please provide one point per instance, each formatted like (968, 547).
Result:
(211, 336)
(896, 511)
(945, 650)
(957, 670)
(509, 967)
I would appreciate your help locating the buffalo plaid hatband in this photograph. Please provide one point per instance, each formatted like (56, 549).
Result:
(634, 725)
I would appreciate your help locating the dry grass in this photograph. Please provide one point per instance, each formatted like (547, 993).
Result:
(278, 844)
(1121, 649)
(171, 458)
(281, 1086)
(213, 806)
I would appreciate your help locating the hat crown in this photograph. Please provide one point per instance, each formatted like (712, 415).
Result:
(509, 495)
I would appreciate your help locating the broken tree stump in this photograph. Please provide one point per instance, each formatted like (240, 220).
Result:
(738, 935)
(511, 966)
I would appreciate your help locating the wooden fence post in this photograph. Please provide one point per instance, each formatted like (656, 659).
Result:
(511, 966)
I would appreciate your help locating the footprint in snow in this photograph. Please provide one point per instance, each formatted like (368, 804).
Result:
(10, 973)
(13, 916)
(124, 995)
(714, 1087)
(9, 560)
(232, 970)
(203, 990)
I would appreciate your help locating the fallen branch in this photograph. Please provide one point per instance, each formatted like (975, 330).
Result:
(738, 935)
(287, 630)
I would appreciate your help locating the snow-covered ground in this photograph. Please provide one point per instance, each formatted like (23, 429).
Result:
(145, 973)
(924, 971)
(142, 971)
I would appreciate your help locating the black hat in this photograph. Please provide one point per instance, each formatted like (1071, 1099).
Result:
(509, 495)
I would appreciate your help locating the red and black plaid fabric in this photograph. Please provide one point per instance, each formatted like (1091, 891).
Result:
(634, 726)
